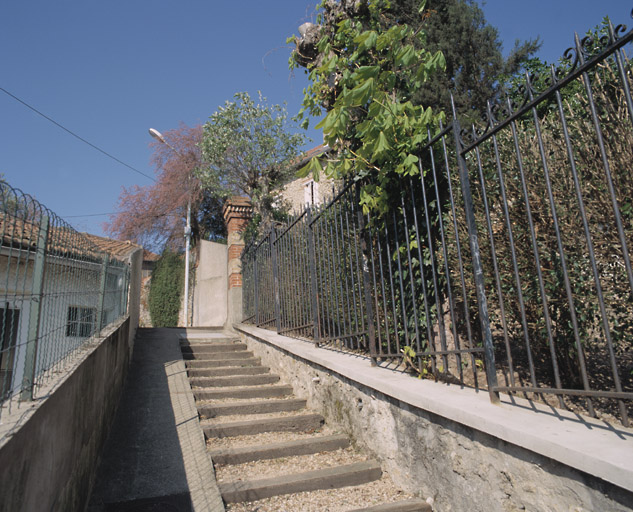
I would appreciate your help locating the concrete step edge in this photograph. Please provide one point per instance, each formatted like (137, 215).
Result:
(330, 478)
(209, 363)
(214, 347)
(305, 446)
(243, 392)
(228, 371)
(295, 423)
(217, 356)
(252, 407)
(210, 341)
(413, 505)
(233, 380)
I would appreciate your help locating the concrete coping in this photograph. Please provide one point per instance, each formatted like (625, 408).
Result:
(586, 444)
(14, 412)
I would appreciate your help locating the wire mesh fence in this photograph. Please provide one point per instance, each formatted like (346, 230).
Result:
(505, 265)
(57, 288)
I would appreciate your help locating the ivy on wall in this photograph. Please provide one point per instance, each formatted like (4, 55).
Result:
(166, 289)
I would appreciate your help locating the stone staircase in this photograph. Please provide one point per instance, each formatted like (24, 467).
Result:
(267, 447)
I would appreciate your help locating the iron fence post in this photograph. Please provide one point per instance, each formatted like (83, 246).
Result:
(314, 299)
(126, 288)
(102, 291)
(365, 244)
(35, 311)
(122, 301)
(273, 257)
(489, 355)
(255, 287)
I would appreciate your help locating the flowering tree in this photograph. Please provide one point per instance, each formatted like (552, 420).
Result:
(155, 215)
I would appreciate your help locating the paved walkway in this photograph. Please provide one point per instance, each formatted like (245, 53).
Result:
(155, 458)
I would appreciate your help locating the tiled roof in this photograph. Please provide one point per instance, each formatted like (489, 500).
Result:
(307, 156)
(16, 233)
(117, 248)
(150, 256)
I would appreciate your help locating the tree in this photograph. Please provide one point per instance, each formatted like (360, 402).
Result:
(365, 76)
(475, 66)
(249, 149)
(154, 216)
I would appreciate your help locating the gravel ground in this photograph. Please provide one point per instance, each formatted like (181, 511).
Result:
(327, 500)
(237, 400)
(219, 420)
(266, 438)
(287, 465)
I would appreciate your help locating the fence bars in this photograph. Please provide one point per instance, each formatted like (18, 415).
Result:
(510, 255)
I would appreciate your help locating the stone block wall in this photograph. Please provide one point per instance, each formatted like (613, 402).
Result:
(456, 465)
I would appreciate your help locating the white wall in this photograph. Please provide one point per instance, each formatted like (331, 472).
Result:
(66, 283)
(211, 288)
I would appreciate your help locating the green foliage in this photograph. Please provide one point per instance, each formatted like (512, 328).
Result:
(249, 148)
(475, 66)
(166, 289)
(585, 316)
(474, 59)
(365, 80)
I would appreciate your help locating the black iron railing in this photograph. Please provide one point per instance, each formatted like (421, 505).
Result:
(505, 265)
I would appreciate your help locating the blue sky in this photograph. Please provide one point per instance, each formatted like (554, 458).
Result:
(108, 71)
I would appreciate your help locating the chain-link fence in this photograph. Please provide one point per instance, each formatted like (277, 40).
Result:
(58, 288)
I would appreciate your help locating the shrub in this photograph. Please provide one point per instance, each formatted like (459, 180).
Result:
(166, 289)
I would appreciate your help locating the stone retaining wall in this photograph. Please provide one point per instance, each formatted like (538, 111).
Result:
(461, 467)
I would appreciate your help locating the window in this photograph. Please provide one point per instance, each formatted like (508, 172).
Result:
(9, 324)
(81, 321)
(311, 193)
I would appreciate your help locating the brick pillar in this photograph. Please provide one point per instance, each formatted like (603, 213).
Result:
(237, 212)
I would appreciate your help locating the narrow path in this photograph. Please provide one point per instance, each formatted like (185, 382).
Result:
(155, 457)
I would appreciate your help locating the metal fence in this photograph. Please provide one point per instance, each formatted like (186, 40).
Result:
(58, 290)
(505, 266)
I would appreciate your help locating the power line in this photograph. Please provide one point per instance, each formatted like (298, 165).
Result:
(75, 135)
(89, 215)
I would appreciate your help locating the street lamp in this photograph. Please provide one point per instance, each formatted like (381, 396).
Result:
(158, 136)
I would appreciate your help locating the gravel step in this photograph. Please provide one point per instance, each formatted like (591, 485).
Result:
(227, 370)
(296, 423)
(216, 356)
(272, 451)
(202, 363)
(210, 339)
(203, 348)
(330, 478)
(252, 407)
(234, 380)
(414, 505)
(273, 391)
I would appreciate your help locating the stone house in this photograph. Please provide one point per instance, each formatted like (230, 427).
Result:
(301, 192)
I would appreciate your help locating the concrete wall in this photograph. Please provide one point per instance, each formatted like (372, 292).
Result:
(49, 449)
(210, 294)
(451, 444)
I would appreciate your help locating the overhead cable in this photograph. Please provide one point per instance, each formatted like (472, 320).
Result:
(75, 135)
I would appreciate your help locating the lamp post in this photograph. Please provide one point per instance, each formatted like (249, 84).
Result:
(158, 136)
